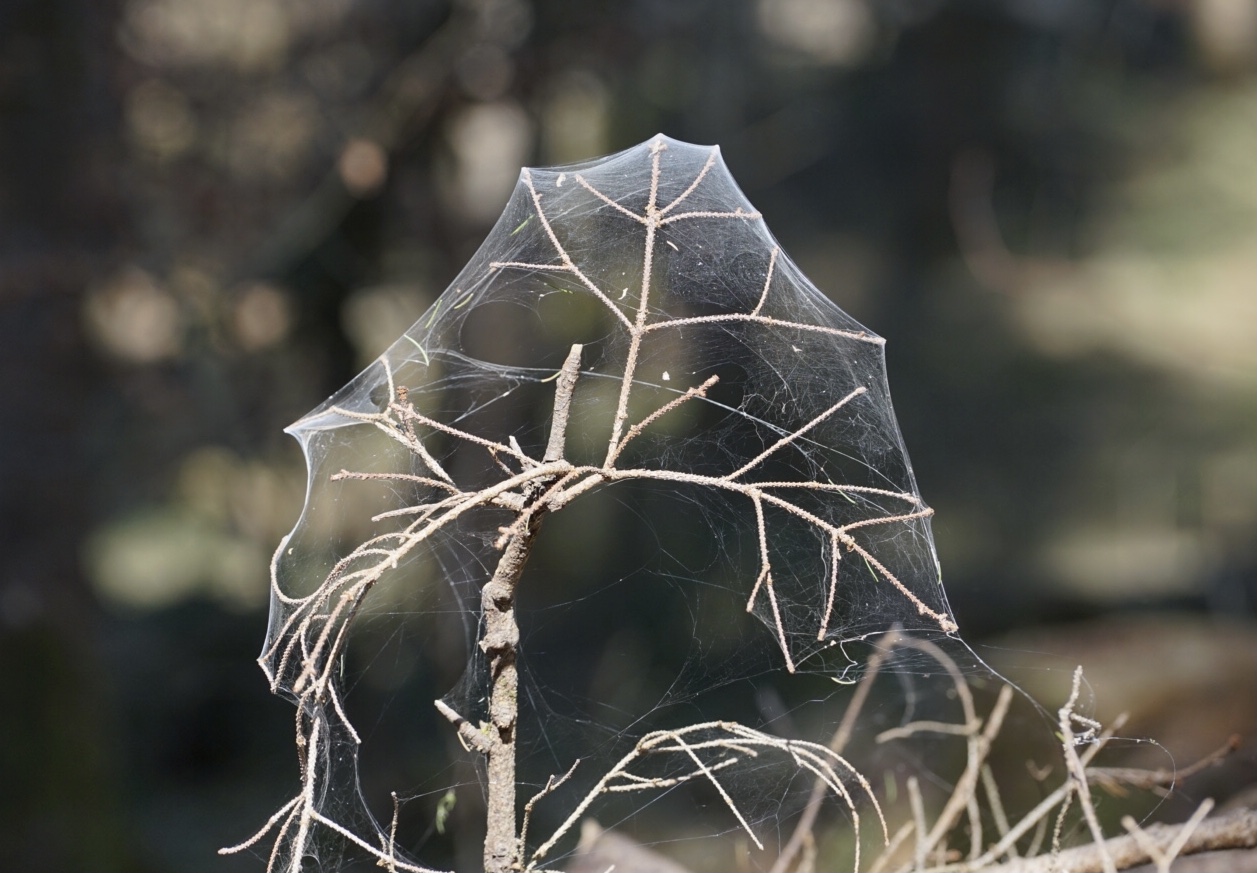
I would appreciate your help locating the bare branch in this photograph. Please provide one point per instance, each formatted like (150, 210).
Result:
(1162, 858)
(1078, 773)
(835, 556)
(768, 280)
(568, 264)
(551, 785)
(388, 860)
(737, 213)
(635, 430)
(791, 437)
(472, 738)
(562, 405)
(270, 823)
(607, 200)
(526, 265)
(702, 174)
(724, 737)
(1113, 779)
(1039, 812)
(1235, 830)
(764, 319)
(837, 743)
(505, 448)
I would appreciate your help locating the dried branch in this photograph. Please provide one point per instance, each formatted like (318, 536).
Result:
(768, 280)
(562, 406)
(792, 436)
(551, 785)
(568, 265)
(1163, 857)
(1235, 830)
(733, 741)
(1077, 772)
(803, 828)
(675, 323)
(1115, 780)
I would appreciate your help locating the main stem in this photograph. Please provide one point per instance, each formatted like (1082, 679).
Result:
(500, 643)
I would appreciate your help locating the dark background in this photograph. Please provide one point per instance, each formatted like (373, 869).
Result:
(213, 214)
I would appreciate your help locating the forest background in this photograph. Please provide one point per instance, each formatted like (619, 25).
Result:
(213, 215)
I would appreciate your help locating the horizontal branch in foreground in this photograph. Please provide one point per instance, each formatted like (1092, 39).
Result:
(1236, 830)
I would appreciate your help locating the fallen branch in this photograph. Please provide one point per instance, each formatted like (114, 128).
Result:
(1236, 830)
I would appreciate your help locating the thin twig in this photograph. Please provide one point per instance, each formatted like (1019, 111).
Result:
(551, 785)
(1078, 772)
(837, 743)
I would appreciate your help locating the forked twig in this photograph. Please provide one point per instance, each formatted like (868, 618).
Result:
(1078, 772)
(551, 785)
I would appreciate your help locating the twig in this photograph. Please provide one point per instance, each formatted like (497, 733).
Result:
(1113, 779)
(996, 805)
(922, 847)
(723, 737)
(906, 830)
(1078, 772)
(551, 785)
(1162, 858)
(562, 405)
(803, 829)
(471, 738)
(978, 747)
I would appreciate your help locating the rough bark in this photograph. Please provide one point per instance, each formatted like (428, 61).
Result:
(500, 643)
(1234, 830)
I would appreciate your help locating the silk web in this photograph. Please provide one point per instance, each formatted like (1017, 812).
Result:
(731, 518)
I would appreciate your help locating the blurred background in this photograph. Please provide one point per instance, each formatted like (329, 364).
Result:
(212, 215)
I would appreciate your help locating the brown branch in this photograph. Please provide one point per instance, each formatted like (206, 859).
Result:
(562, 405)
(768, 281)
(1114, 779)
(635, 430)
(1235, 830)
(568, 263)
(467, 732)
(702, 174)
(764, 319)
(1077, 772)
(1164, 855)
(551, 785)
(794, 435)
(500, 640)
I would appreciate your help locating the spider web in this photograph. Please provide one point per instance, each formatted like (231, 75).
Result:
(730, 498)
